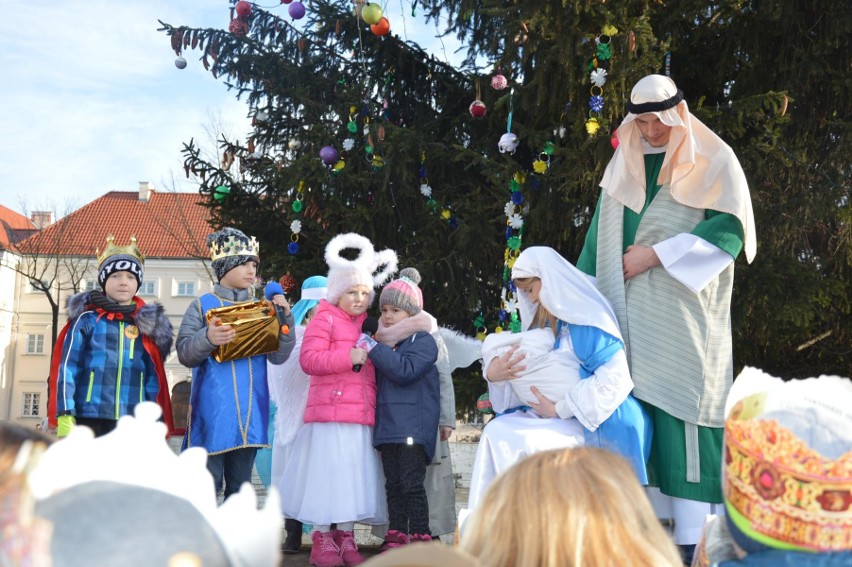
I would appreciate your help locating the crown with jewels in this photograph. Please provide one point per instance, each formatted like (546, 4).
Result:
(112, 250)
(778, 490)
(234, 246)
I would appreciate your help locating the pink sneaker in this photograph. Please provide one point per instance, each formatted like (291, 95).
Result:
(348, 549)
(420, 537)
(324, 552)
(393, 539)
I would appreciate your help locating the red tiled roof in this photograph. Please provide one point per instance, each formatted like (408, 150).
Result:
(168, 225)
(12, 227)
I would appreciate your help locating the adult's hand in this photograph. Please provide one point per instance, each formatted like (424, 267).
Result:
(638, 259)
(544, 407)
(506, 366)
(446, 431)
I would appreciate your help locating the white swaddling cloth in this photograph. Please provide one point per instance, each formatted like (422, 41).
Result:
(549, 370)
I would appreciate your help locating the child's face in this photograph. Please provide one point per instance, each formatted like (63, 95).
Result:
(392, 315)
(121, 287)
(241, 277)
(355, 300)
(531, 287)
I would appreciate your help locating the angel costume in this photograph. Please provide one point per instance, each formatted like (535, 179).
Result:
(584, 368)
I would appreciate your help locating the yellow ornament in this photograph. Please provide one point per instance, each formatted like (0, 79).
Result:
(445, 214)
(498, 329)
(610, 30)
(539, 166)
(592, 126)
(520, 177)
(511, 263)
(480, 336)
(339, 165)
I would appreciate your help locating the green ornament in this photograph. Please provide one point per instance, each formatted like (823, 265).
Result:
(297, 206)
(368, 149)
(221, 192)
(431, 203)
(479, 321)
(514, 186)
(514, 243)
(549, 148)
(604, 52)
(352, 127)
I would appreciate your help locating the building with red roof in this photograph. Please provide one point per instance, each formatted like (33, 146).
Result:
(61, 257)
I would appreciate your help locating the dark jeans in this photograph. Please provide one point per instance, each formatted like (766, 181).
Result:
(99, 426)
(405, 471)
(234, 467)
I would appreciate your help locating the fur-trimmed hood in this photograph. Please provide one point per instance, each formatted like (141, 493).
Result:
(150, 318)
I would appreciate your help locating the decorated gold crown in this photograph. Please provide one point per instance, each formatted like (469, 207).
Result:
(779, 491)
(131, 250)
(234, 246)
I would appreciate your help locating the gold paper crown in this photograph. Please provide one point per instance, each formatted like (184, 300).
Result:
(113, 250)
(232, 246)
(781, 492)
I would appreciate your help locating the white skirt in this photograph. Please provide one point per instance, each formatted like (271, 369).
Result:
(509, 438)
(334, 475)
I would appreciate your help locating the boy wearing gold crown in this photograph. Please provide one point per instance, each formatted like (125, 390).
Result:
(109, 356)
(229, 402)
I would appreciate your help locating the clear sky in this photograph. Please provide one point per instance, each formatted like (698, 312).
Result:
(92, 102)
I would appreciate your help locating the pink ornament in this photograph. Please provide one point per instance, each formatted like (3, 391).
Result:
(242, 8)
(499, 82)
(477, 109)
(238, 27)
(329, 155)
(296, 10)
(613, 141)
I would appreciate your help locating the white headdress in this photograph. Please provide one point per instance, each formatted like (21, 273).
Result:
(343, 274)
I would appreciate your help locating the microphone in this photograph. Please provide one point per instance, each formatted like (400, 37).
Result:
(369, 328)
(271, 290)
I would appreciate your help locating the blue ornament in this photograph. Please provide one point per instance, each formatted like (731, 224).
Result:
(517, 197)
(293, 247)
(508, 232)
(596, 103)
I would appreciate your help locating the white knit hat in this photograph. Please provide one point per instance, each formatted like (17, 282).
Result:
(344, 274)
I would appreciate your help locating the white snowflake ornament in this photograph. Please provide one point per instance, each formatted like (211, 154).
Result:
(426, 191)
(296, 226)
(516, 221)
(348, 144)
(509, 209)
(598, 77)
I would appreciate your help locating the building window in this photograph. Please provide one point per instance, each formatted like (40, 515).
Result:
(147, 288)
(31, 404)
(35, 344)
(37, 286)
(91, 285)
(185, 289)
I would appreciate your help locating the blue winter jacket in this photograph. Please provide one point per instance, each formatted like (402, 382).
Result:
(105, 371)
(408, 402)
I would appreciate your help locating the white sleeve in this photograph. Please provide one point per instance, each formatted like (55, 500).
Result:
(594, 399)
(691, 260)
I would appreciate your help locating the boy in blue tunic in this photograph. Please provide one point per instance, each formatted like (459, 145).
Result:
(229, 402)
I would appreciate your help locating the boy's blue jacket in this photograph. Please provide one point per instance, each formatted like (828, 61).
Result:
(106, 363)
(408, 402)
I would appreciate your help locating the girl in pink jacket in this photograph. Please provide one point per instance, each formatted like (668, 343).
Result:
(336, 474)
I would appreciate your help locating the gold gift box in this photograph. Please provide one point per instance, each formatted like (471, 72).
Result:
(257, 330)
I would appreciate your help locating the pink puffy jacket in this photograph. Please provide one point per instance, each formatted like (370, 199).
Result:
(337, 394)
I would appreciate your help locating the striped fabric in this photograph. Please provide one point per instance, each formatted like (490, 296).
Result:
(679, 342)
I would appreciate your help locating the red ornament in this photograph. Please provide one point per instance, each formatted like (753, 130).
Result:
(243, 8)
(238, 27)
(382, 28)
(288, 283)
(477, 109)
(613, 141)
(499, 82)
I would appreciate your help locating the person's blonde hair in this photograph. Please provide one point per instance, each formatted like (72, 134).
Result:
(568, 507)
(543, 318)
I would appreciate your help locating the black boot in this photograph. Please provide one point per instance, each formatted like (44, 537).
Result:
(293, 541)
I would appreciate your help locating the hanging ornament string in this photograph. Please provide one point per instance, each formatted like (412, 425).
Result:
(514, 236)
(431, 203)
(597, 68)
(668, 56)
(296, 225)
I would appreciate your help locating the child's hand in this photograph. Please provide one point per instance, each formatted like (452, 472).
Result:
(358, 356)
(282, 302)
(219, 334)
(446, 431)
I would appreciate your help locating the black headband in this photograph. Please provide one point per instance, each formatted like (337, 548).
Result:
(655, 106)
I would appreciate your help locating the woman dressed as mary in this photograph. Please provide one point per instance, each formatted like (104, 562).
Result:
(561, 382)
